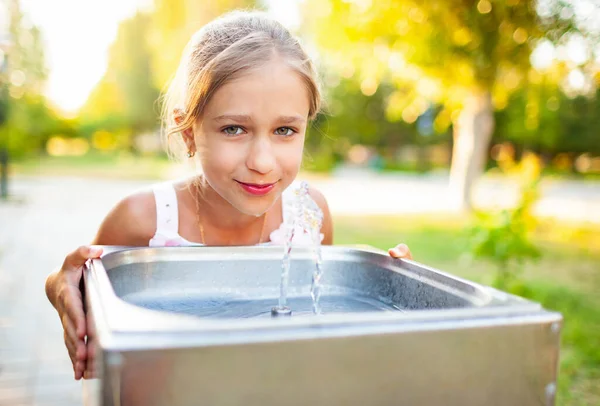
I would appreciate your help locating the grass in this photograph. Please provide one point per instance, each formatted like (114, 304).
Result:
(121, 165)
(565, 279)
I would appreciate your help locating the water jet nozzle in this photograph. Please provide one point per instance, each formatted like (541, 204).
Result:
(281, 311)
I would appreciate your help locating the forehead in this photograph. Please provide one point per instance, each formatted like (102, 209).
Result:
(271, 89)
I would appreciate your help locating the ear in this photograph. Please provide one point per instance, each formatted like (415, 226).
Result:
(188, 135)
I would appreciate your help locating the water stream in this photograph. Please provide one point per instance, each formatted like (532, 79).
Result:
(305, 217)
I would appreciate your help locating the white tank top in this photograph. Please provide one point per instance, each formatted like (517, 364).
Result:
(167, 219)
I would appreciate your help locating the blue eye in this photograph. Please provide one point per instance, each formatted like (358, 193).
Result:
(233, 130)
(287, 131)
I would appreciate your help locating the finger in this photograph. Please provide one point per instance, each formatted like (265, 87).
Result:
(77, 353)
(76, 348)
(81, 351)
(69, 329)
(70, 349)
(400, 251)
(77, 258)
(75, 345)
(72, 305)
(79, 370)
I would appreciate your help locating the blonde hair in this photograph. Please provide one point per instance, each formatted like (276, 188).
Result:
(221, 51)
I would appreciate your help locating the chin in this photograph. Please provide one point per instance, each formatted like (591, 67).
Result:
(257, 207)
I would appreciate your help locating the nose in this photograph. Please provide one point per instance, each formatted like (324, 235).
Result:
(261, 157)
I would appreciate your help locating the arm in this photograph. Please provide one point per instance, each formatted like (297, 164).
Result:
(327, 226)
(131, 222)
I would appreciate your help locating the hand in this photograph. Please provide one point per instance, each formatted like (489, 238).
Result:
(68, 302)
(400, 251)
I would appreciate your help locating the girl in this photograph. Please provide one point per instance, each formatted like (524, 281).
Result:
(239, 105)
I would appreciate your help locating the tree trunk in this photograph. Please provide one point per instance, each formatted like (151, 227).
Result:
(3, 173)
(472, 135)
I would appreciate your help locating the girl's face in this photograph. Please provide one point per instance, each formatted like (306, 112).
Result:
(250, 137)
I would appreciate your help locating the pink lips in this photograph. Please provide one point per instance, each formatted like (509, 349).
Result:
(257, 189)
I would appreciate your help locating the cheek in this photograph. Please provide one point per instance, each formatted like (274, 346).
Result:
(218, 157)
(291, 158)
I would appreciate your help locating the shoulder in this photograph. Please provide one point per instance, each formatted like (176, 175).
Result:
(131, 222)
(321, 201)
(318, 197)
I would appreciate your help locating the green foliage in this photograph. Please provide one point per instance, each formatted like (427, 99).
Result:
(126, 96)
(406, 56)
(25, 117)
(29, 125)
(544, 119)
(580, 120)
(174, 22)
(352, 118)
(26, 56)
(505, 237)
(27, 120)
(322, 159)
(4, 103)
(144, 56)
(434, 51)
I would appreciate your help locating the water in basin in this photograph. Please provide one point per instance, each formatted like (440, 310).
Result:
(224, 306)
(198, 281)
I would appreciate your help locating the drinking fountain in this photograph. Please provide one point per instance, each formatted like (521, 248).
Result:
(195, 325)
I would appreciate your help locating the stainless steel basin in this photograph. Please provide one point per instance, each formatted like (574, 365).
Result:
(188, 326)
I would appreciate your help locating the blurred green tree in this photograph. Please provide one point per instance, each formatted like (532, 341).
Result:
(468, 56)
(505, 237)
(350, 117)
(174, 22)
(125, 98)
(22, 75)
(545, 120)
(144, 56)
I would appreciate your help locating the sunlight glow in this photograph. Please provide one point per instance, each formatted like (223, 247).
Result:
(77, 35)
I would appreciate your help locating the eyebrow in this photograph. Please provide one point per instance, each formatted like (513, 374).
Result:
(243, 118)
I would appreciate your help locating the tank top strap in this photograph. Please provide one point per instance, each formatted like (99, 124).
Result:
(167, 213)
